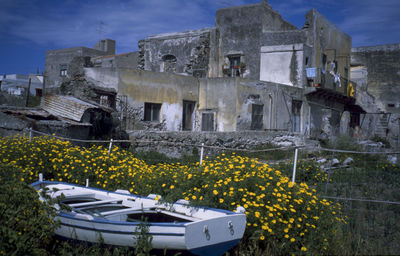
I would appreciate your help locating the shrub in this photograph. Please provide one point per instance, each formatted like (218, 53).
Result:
(26, 224)
(283, 218)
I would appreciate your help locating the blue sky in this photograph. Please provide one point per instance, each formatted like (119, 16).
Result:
(30, 27)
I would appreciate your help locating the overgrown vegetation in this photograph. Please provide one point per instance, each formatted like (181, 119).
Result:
(283, 218)
(26, 224)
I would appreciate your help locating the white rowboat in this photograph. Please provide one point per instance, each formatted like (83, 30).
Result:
(114, 217)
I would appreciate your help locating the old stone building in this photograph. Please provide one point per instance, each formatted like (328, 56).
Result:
(376, 72)
(58, 61)
(252, 71)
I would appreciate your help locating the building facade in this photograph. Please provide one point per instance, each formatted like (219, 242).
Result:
(252, 71)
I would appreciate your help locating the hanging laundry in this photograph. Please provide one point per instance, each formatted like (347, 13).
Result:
(337, 79)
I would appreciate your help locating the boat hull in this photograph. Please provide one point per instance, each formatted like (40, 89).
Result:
(200, 230)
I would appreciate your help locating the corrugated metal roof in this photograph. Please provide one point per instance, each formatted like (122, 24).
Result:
(66, 106)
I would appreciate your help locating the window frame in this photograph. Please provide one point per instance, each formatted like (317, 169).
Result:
(151, 112)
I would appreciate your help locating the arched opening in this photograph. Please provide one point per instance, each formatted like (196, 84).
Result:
(168, 63)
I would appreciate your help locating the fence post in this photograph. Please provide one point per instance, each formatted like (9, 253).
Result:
(294, 165)
(40, 177)
(87, 182)
(30, 134)
(201, 153)
(109, 148)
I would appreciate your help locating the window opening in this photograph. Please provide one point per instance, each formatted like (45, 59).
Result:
(257, 116)
(152, 111)
(63, 70)
(187, 115)
(296, 107)
(169, 63)
(234, 62)
(207, 122)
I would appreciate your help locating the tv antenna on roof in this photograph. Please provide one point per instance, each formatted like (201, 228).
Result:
(101, 29)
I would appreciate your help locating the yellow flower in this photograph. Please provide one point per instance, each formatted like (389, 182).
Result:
(172, 187)
(215, 192)
(304, 249)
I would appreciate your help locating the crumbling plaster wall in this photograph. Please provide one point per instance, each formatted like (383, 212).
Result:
(377, 74)
(219, 95)
(232, 100)
(326, 38)
(125, 60)
(163, 88)
(284, 64)
(383, 74)
(191, 50)
(240, 32)
(56, 58)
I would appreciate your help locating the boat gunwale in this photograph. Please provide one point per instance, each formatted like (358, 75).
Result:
(227, 212)
(123, 223)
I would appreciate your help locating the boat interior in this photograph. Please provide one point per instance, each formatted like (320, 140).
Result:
(126, 209)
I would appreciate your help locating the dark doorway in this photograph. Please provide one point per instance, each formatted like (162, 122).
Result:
(187, 115)
(257, 116)
(207, 122)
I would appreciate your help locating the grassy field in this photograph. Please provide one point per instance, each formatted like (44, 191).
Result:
(283, 218)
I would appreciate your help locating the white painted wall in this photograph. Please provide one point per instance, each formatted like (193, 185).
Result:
(172, 114)
(104, 77)
(276, 61)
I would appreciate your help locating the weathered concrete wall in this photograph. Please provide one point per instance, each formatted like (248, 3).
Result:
(376, 70)
(232, 100)
(240, 32)
(163, 88)
(219, 96)
(168, 142)
(326, 38)
(106, 45)
(125, 60)
(383, 74)
(63, 57)
(284, 64)
(182, 53)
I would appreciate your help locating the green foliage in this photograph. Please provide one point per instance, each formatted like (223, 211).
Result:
(143, 239)
(26, 224)
(344, 142)
(283, 218)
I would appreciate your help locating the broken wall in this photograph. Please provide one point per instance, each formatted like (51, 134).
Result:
(284, 64)
(240, 33)
(166, 89)
(377, 71)
(184, 53)
(57, 61)
(383, 74)
(330, 45)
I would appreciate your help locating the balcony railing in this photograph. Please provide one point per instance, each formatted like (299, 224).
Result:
(323, 79)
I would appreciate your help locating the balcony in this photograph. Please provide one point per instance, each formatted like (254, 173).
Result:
(317, 77)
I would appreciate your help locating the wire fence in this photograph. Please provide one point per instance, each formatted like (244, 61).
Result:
(365, 183)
